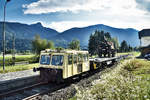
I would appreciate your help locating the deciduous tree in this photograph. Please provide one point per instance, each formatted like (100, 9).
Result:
(124, 46)
(74, 44)
(39, 44)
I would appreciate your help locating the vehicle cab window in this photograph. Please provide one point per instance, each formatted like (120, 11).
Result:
(45, 59)
(57, 60)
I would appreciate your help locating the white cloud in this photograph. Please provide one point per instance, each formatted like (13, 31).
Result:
(136, 23)
(116, 13)
(48, 6)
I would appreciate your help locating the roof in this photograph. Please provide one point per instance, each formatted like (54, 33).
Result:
(145, 47)
(64, 51)
(144, 33)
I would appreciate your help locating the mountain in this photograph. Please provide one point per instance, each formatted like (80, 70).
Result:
(83, 34)
(25, 33)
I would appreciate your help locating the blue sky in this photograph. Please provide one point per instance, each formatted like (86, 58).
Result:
(65, 14)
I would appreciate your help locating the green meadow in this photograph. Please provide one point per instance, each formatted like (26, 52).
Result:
(18, 58)
(130, 80)
(18, 68)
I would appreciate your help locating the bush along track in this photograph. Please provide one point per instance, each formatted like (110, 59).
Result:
(130, 80)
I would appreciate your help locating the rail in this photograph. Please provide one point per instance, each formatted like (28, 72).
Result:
(20, 89)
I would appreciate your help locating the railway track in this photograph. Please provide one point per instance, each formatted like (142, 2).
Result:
(35, 96)
(21, 89)
(34, 91)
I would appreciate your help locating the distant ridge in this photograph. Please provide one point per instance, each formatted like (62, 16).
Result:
(27, 32)
(128, 34)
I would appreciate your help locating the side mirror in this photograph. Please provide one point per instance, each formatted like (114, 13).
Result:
(34, 69)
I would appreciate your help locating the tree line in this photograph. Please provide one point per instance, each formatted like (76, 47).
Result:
(125, 47)
(101, 36)
(39, 44)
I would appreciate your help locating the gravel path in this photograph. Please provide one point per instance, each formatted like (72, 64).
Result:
(16, 75)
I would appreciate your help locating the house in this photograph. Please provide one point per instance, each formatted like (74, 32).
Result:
(144, 37)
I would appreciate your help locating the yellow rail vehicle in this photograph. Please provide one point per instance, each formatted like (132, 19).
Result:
(56, 65)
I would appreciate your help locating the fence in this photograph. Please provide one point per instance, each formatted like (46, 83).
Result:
(22, 63)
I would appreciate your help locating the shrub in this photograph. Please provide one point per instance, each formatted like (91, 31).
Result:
(121, 83)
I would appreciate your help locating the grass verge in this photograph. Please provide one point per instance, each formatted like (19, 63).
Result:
(18, 68)
(133, 53)
(130, 80)
(18, 58)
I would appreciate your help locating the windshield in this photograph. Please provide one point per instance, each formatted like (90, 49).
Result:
(57, 60)
(45, 59)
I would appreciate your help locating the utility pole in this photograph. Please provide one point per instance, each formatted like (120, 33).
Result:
(4, 34)
(13, 49)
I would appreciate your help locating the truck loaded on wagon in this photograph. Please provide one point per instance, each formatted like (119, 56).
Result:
(106, 49)
(102, 44)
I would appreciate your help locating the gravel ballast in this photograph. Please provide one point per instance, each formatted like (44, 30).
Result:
(70, 91)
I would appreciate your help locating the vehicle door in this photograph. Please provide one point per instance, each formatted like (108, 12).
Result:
(70, 65)
(85, 62)
(80, 64)
(75, 67)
